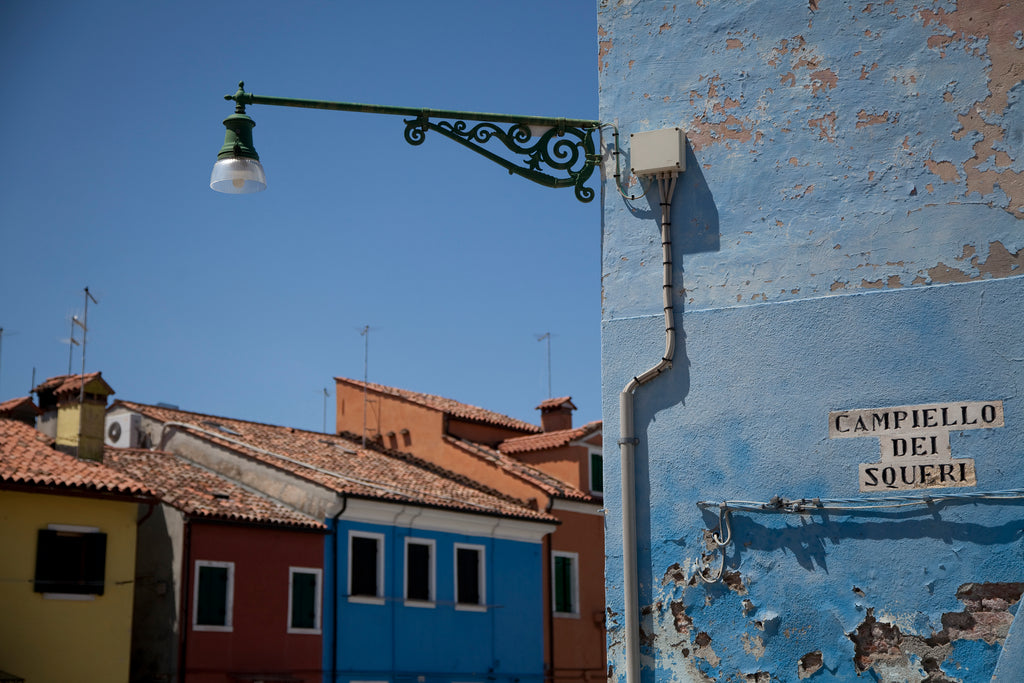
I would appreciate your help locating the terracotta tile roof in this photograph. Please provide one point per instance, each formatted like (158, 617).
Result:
(448, 406)
(556, 403)
(551, 485)
(341, 464)
(199, 492)
(555, 439)
(18, 405)
(27, 457)
(62, 385)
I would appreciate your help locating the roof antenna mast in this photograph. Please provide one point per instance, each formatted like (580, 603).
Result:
(366, 371)
(326, 394)
(542, 337)
(84, 324)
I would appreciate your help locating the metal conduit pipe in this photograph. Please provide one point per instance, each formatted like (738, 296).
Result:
(628, 440)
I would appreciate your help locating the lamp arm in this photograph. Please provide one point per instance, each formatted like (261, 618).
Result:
(566, 146)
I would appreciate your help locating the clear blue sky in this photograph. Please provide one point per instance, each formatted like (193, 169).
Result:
(248, 306)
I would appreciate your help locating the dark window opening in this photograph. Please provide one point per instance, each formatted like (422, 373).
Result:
(468, 576)
(212, 602)
(70, 562)
(364, 569)
(417, 572)
(304, 600)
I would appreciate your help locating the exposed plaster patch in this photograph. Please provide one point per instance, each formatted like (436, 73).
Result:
(760, 676)
(664, 27)
(733, 44)
(680, 619)
(826, 126)
(1000, 263)
(884, 648)
(986, 31)
(809, 664)
(866, 119)
(603, 48)
(704, 651)
(734, 581)
(822, 79)
(944, 169)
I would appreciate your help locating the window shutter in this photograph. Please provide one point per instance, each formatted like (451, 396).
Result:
(213, 596)
(303, 600)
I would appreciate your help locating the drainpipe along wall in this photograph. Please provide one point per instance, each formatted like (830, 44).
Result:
(628, 440)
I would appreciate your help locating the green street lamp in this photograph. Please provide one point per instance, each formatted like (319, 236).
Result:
(554, 152)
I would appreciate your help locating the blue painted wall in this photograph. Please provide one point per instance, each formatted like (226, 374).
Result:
(394, 642)
(847, 235)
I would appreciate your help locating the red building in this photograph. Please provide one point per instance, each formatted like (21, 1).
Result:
(229, 581)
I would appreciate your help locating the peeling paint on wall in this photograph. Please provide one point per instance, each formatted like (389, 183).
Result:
(849, 232)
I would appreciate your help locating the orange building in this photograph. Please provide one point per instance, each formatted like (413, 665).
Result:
(554, 468)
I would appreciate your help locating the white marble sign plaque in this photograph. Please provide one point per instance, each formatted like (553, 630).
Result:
(914, 442)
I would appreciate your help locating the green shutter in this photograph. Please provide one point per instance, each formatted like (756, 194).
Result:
(303, 600)
(212, 603)
(596, 472)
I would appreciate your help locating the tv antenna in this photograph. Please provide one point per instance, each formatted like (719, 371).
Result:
(71, 341)
(326, 394)
(542, 337)
(84, 324)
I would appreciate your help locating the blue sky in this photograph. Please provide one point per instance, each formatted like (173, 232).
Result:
(248, 306)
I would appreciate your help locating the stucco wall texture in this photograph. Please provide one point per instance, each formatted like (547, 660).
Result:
(848, 235)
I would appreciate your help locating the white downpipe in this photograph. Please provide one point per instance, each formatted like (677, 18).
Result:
(628, 440)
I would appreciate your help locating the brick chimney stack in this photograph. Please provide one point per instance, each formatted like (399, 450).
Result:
(556, 414)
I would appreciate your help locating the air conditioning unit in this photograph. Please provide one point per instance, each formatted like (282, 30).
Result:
(122, 430)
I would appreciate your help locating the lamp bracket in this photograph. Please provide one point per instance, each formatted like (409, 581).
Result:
(568, 151)
(565, 148)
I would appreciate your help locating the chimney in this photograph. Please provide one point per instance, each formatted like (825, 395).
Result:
(556, 414)
(73, 416)
(20, 409)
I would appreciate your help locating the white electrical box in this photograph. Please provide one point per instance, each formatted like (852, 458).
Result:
(657, 151)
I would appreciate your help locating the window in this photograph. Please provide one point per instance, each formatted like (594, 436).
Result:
(213, 596)
(419, 571)
(565, 581)
(70, 562)
(596, 472)
(303, 600)
(366, 567)
(469, 577)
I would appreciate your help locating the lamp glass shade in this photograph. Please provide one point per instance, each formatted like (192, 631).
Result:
(238, 175)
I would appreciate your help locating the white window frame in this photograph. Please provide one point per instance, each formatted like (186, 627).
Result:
(292, 571)
(431, 569)
(367, 599)
(590, 470)
(481, 577)
(575, 614)
(229, 608)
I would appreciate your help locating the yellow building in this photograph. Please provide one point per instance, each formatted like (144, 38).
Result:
(67, 571)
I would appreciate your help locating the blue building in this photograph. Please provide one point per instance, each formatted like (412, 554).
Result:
(821, 425)
(427, 575)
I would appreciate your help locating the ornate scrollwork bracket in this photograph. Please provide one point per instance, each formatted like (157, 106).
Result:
(568, 151)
